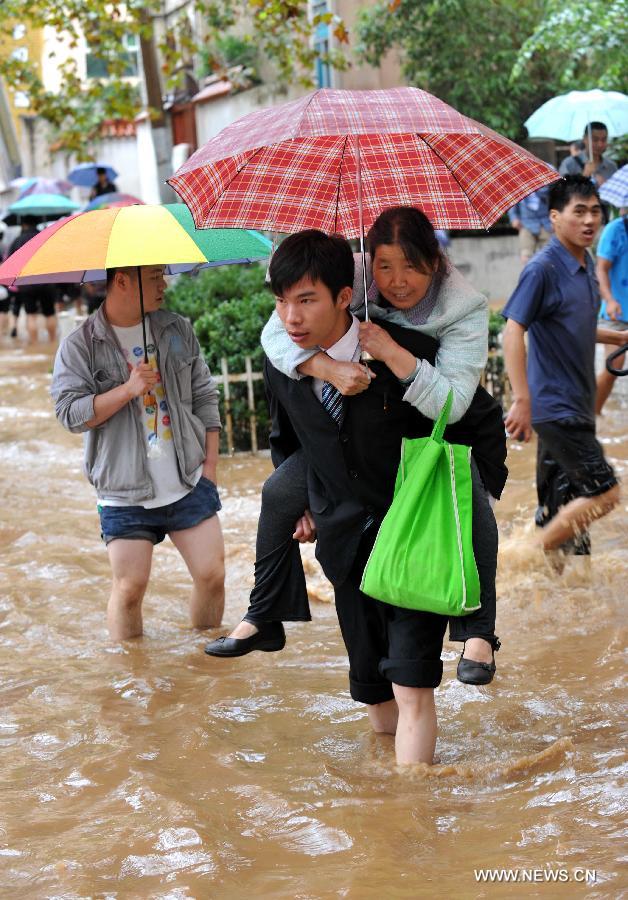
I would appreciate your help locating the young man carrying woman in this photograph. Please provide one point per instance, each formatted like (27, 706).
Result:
(417, 289)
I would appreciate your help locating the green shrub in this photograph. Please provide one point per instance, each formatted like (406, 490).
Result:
(495, 372)
(226, 52)
(496, 324)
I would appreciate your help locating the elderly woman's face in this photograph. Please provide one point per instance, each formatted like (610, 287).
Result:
(397, 279)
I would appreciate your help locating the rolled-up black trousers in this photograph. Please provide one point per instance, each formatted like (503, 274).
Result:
(279, 592)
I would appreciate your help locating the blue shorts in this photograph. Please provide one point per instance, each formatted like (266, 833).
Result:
(137, 523)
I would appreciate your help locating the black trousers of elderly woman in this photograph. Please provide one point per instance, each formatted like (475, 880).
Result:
(279, 592)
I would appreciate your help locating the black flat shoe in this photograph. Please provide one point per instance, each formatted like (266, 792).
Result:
(470, 671)
(270, 637)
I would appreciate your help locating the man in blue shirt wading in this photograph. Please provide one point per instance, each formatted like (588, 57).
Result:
(557, 301)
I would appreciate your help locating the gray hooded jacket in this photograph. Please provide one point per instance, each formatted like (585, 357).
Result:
(90, 362)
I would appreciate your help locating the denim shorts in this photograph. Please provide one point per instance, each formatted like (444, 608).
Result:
(137, 523)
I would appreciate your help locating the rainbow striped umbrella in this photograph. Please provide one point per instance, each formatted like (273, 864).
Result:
(82, 247)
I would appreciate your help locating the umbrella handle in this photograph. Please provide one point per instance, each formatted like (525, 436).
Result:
(139, 281)
(615, 355)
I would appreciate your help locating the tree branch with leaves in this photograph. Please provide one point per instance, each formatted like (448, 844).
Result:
(591, 39)
(463, 51)
(281, 29)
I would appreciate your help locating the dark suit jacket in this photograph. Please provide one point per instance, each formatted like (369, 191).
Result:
(352, 470)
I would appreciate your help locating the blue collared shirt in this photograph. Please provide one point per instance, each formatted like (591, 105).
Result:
(532, 211)
(558, 300)
(613, 246)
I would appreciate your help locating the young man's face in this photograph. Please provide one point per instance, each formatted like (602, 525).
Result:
(310, 315)
(577, 224)
(599, 142)
(153, 287)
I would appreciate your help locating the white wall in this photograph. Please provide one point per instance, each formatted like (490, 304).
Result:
(491, 264)
(146, 164)
(121, 153)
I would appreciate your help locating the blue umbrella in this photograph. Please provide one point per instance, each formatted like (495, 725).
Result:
(615, 189)
(41, 206)
(566, 117)
(86, 175)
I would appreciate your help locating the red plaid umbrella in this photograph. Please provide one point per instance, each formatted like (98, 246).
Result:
(303, 164)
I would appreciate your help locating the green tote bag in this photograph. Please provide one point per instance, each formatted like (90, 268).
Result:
(423, 554)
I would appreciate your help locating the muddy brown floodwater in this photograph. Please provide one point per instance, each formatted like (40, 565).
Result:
(150, 770)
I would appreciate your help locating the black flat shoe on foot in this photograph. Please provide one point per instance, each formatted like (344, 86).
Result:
(270, 637)
(470, 671)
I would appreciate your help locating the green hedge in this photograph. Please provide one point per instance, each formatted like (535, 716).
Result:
(496, 324)
(228, 307)
(495, 371)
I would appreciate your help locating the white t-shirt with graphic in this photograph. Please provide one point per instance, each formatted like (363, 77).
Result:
(163, 467)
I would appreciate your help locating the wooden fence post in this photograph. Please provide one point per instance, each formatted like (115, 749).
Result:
(251, 399)
(227, 395)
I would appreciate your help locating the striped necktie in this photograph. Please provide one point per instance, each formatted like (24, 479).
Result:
(333, 402)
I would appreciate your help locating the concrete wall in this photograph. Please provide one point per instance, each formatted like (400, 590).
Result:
(490, 263)
(123, 153)
(361, 76)
(10, 159)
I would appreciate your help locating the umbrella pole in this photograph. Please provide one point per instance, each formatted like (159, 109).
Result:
(361, 226)
(364, 356)
(590, 141)
(139, 281)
